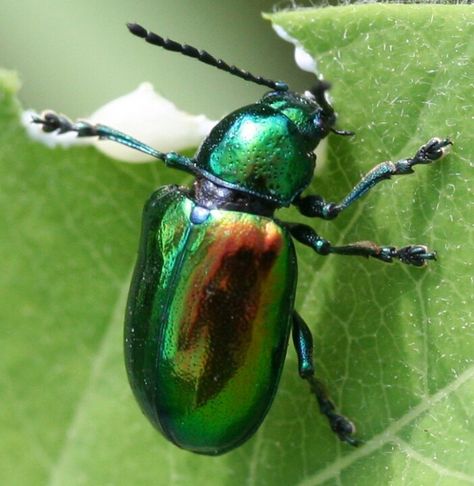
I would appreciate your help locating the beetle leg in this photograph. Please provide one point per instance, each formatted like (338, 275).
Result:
(316, 206)
(303, 342)
(51, 122)
(417, 255)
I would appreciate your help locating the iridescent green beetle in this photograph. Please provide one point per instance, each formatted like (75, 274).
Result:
(211, 303)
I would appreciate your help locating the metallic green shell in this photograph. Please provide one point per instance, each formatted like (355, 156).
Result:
(207, 322)
(259, 150)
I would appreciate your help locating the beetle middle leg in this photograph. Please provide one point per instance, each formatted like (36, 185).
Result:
(416, 255)
(316, 206)
(303, 342)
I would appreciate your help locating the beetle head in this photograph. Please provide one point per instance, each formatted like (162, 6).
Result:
(311, 112)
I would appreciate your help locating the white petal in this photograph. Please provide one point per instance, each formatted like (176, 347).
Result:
(302, 58)
(152, 119)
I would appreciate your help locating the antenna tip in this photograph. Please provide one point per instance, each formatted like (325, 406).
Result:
(137, 30)
(344, 133)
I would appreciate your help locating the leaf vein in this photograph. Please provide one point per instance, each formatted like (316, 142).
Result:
(438, 468)
(389, 433)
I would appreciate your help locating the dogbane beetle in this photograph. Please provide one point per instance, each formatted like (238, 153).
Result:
(211, 302)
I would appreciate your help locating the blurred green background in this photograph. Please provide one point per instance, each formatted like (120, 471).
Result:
(75, 56)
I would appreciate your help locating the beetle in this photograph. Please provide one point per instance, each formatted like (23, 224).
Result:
(211, 303)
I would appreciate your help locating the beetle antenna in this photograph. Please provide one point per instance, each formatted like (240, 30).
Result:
(319, 92)
(202, 56)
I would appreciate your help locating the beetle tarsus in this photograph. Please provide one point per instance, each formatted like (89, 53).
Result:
(339, 424)
(417, 255)
(52, 121)
(344, 429)
(434, 149)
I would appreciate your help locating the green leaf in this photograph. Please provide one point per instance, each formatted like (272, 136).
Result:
(393, 343)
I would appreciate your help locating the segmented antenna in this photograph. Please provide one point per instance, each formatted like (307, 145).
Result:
(319, 93)
(203, 56)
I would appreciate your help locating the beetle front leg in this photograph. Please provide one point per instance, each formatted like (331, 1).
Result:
(316, 206)
(303, 342)
(52, 122)
(417, 255)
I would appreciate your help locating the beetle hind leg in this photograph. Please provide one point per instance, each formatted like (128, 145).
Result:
(303, 342)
